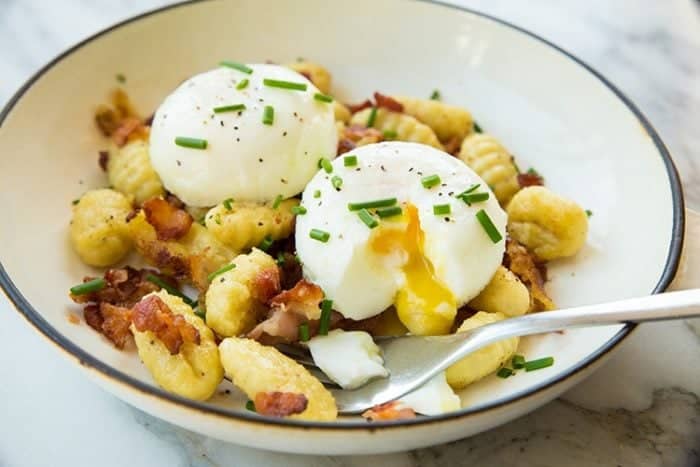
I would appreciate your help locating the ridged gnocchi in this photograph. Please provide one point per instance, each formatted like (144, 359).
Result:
(505, 293)
(317, 74)
(98, 228)
(549, 225)
(195, 371)
(484, 361)
(232, 308)
(130, 172)
(242, 225)
(488, 158)
(406, 127)
(342, 113)
(257, 368)
(447, 121)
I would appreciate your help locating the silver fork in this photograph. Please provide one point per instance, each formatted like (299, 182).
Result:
(413, 360)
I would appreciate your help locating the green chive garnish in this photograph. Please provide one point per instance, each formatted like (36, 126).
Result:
(325, 164)
(227, 203)
(298, 210)
(488, 226)
(194, 143)
(250, 405)
(276, 83)
(350, 161)
(242, 84)
(389, 134)
(278, 200)
(377, 203)
(280, 259)
(441, 209)
(325, 321)
(389, 212)
(268, 115)
(589, 213)
(229, 108)
(121, 78)
(538, 364)
(201, 312)
(323, 97)
(372, 117)
(266, 243)
(518, 361)
(474, 198)
(218, 272)
(304, 332)
(169, 288)
(477, 128)
(430, 181)
(469, 190)
(317, 194)
(367, 218)
(236, 66)
(504, 373)
(320, 235)
(88, 287)
(435, 96)
(532, 171)
(337, 182)
(75, 201)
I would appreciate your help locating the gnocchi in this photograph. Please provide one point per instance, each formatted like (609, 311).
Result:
(130, 172)
(447, 121)
(317, 74)
(405, 127)
(505, 294)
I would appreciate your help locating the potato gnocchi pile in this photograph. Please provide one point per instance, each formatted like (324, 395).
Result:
(246, 289)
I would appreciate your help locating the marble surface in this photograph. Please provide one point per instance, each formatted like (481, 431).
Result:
(641, 409)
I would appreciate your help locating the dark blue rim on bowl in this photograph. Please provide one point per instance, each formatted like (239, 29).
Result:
(88, 360)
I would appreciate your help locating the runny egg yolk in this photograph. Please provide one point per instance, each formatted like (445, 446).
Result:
(424, 304)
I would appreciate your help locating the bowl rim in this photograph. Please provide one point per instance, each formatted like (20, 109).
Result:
(91, 362)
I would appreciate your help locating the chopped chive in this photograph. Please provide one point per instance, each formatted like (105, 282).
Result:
(304, 332)
(201, 312)
(169, 288)
(194, 143)
(229, 108)
(377, 203)
(488, 226)
(367, 218)
(220, 271)
(236, 66)
(278, 200)
(202, 221)
(75, 201)
(195, 304)
(441, 209)
(325, 164)
(538, 364)
(337, 182)
(518, 361)
(474, 197)
(435, 96)
(317, 193)
(320, 235)
(469, 190)
(280, 259)
(325, 321)
(389, 134)
(276, 83)
(242, 84)
(504, 373)
(88, 287)
(430, 181)
(532, 171)
(323, 97)
(121, 78)
(477, 128)
(389, 212)
(250, 405)
(227, 203)
(266, 243)
(268, 115)
(298, 210)
(589, 213)
(350, 161)
(372, 117)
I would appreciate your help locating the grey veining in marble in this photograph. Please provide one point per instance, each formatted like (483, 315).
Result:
(641, 409)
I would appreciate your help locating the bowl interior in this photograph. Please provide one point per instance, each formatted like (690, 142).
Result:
(548, 110)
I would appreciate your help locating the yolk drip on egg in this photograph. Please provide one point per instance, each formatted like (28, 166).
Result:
(424, 304)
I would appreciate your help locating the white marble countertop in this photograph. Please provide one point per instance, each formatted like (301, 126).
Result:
(641, 409)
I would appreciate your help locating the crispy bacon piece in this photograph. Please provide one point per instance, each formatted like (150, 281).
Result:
(530, 179)
(130, 128)
(533, 274)
(111, 321)
(266, 284)
(453, 145)
(110, 117)
(169, 222)
(393, 410)
(303, 299)
(361, 106)
(124, 287)
(103, 160)
(357, 135)
(153, 314)
(280, 404)
(387, 102)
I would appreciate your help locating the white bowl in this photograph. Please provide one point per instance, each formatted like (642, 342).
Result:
(554, 112)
